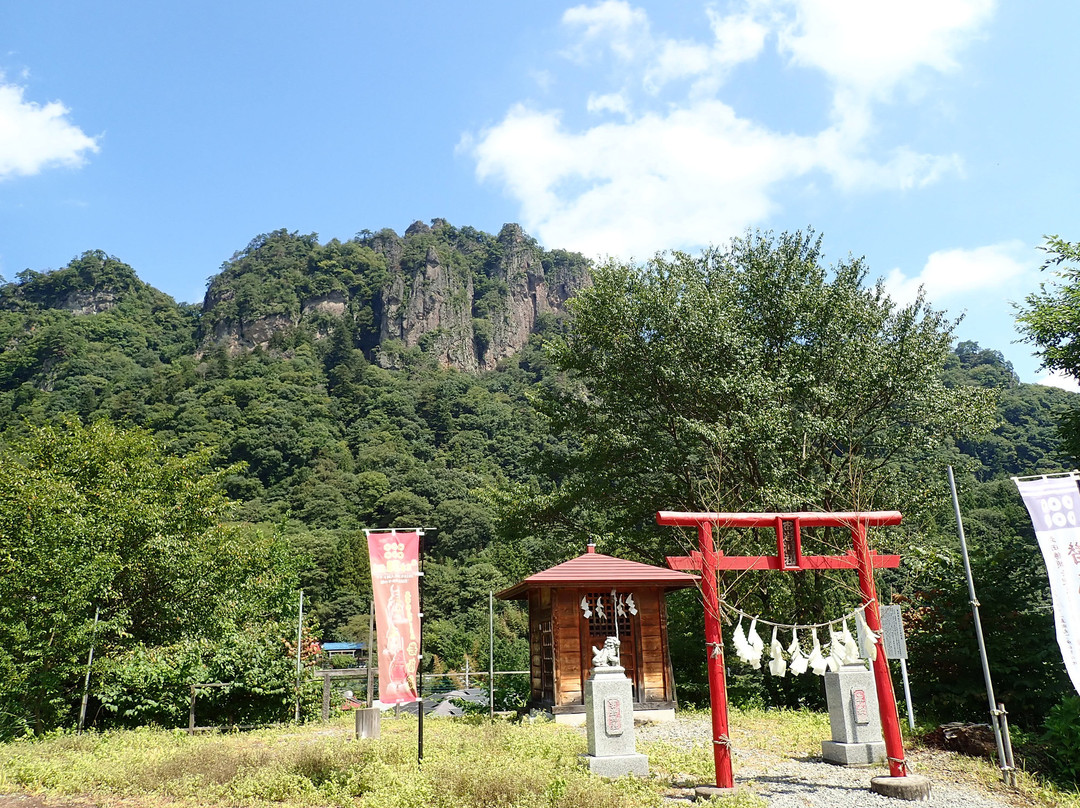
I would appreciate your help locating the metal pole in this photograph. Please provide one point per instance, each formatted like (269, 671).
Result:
(994, 714)
(491, 654)
(1008, 744)
(89, 662)
(890, 718)
(420, 655)
(370, 647)
(299, 641)
(907, 695)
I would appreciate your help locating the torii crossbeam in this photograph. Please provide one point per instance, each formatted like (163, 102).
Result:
(788, 557)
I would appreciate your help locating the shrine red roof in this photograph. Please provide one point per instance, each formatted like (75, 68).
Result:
(602, 570)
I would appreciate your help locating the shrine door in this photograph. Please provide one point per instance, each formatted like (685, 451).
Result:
(600, 625)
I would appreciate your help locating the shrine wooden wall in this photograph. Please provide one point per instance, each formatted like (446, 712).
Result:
(655, 673)
(569, 678)
(561, 653)
(540, 646)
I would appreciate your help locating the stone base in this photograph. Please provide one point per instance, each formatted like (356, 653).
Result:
(914, 787)
(617, 765)
(853, 754)
(578, 719)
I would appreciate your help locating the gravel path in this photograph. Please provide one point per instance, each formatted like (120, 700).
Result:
(786, 782)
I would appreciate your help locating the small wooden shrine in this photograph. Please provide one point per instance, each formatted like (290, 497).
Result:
(577, 605)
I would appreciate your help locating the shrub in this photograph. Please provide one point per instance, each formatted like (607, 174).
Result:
(1063, 739)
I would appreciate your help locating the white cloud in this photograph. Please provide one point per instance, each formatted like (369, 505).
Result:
(682, 168)
(632, 188)
(543, 78)
(950, 273)
(739, 36)
(615, 24)
(34, 137)
(611, 102)
(1055, 378)
(873, 46)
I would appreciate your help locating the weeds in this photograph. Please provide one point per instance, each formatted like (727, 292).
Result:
(469, 763)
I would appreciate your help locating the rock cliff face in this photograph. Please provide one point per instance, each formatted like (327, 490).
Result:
(434, 304)
(93, 283)
(531, 292)
(466, 298)
(429, 306)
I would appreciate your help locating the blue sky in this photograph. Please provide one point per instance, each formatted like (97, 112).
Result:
(934, 137)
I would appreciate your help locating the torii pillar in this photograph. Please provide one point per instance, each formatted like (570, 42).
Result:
(789, 557)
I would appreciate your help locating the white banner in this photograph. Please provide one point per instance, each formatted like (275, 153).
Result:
(1054, 505)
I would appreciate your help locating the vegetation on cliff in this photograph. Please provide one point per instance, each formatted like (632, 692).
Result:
(321, 387)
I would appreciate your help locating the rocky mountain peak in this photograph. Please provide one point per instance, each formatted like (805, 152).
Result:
(464, 297)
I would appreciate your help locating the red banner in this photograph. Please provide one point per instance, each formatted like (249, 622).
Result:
(395, 571)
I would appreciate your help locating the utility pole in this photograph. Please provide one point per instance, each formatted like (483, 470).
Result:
(89, 662)
(997, 711)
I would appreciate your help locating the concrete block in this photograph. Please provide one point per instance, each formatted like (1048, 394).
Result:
(367, 722)
(609, 725)
(609, 713)
(853, 709)
(617, 765)
(853, 754)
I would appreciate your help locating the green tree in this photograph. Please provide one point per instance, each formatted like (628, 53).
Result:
(99, 517)
(1050, 320)
(752, 378)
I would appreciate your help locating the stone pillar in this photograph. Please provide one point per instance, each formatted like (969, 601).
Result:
(367, 722)
(609, 725)
(854, 718)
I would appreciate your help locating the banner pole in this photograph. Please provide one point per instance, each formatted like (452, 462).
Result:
(370, 648)
(994, 714)
(907, 694)
(420, 654)
(491, 655)
(299, 642)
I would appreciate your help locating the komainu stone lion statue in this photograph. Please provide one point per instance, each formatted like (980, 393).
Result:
(608, 656)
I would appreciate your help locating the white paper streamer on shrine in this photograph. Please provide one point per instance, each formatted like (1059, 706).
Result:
(818, 662)
(843, 648)
(756, 644)
(799, 662)
(777, 663)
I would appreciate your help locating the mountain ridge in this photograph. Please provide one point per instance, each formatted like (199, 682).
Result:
(467, 298)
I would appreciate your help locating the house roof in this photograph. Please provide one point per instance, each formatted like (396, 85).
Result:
(344, 646)
(593, 568)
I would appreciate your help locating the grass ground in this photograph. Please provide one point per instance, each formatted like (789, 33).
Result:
(468, 762)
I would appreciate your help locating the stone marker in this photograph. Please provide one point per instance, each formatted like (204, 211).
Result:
(609, 717)
(367, 722)
(854, 718)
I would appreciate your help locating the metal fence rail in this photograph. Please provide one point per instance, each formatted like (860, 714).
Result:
(361, 673)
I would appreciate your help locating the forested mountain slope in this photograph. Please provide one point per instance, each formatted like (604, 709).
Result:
(400, 381)
(332, 374)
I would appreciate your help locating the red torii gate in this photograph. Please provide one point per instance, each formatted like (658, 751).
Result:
(788, 557)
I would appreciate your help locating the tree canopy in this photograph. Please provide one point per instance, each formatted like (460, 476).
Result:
(1050, 320)
(748, 378)
(99, 518)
